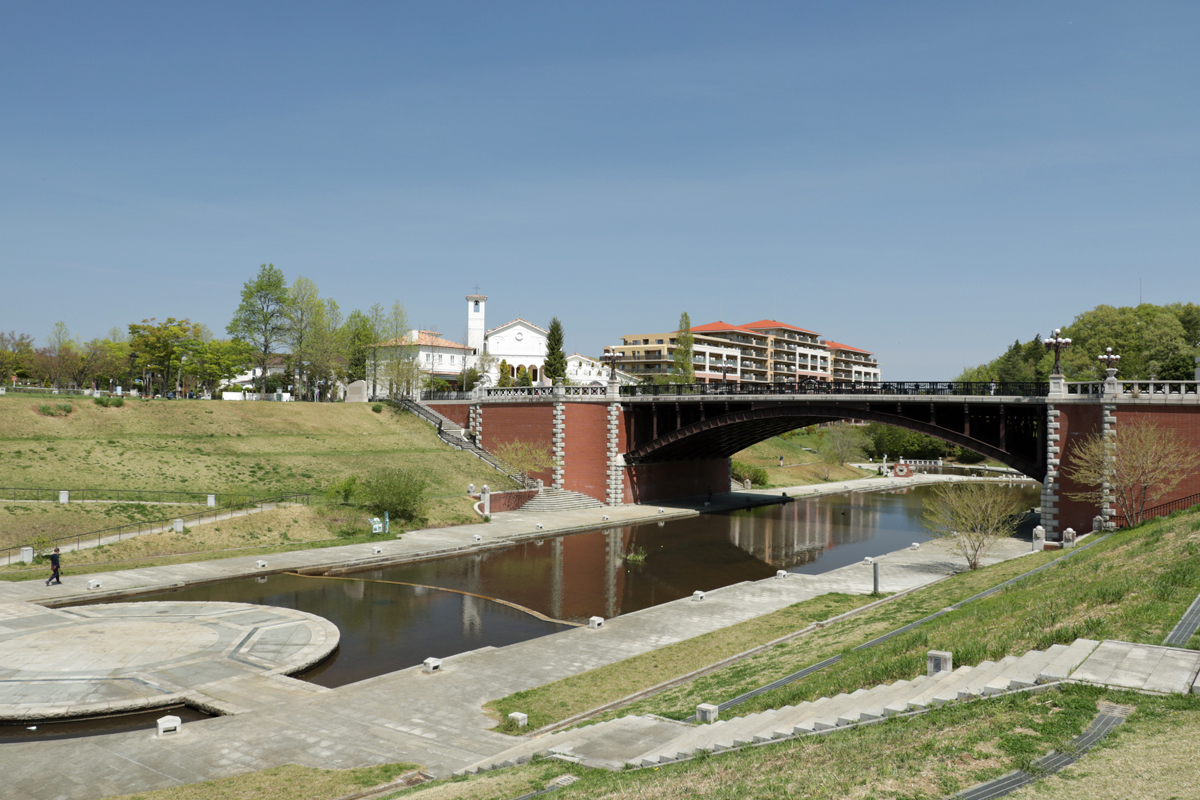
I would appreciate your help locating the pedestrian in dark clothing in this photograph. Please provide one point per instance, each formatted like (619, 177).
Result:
(53, 568)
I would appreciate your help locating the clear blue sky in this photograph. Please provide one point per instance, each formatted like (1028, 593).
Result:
(929, 181)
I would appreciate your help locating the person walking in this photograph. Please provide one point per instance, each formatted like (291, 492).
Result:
(54, 567)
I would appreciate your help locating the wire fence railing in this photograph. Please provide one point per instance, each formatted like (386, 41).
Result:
(118, 533)
(38, 494)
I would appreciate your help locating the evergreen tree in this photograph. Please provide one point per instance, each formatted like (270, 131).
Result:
(682, 370)
(523, 378)
(556, 360)
(505, 379)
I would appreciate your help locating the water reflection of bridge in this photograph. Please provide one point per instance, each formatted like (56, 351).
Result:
(799, 532)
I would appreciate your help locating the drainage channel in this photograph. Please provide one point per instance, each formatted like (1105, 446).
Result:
(45, 730)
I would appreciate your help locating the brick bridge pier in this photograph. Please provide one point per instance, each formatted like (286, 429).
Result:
(642, 444)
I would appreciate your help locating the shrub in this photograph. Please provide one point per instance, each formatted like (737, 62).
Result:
(403, 494)
(109, 402)
(65, 408)
(756, 475)
(342, 491)
(377, 408)
(970, 457)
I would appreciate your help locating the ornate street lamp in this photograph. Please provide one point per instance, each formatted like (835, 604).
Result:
(1110, 360)
(612, 357)
(1059, 345)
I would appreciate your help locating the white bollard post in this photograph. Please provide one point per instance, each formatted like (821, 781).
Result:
(212, 501)
(64, 497)
(178, 526)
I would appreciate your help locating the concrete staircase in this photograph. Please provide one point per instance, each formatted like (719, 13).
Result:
(560, 500)
(647, 741)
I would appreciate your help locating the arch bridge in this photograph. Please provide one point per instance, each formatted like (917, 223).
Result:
(646, 443)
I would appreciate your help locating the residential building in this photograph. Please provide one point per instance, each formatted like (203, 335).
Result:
(434, 357)
(762, 352)
(852, 363)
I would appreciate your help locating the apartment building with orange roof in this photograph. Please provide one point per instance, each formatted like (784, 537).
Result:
(763, 352)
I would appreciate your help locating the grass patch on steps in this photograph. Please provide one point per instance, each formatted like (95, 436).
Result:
(929, 756)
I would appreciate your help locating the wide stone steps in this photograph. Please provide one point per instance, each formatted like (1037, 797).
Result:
(864, 705)
(560, 500)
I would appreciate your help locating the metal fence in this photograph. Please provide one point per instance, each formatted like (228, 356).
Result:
(891, 388)
(123, 496)
(1162, 510)
(445, 395)
(131, 529)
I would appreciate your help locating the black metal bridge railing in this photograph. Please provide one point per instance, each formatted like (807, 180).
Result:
(911, 388)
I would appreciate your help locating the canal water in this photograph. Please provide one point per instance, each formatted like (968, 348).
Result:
(387, 625)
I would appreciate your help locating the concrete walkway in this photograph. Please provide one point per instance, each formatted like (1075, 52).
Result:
(434, 720)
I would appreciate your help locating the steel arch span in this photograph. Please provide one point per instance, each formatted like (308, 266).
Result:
(1011, 433)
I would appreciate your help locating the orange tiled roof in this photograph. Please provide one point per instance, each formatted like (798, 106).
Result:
(839, 346)
(771, 323)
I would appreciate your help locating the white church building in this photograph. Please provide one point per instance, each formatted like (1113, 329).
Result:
(519, 343)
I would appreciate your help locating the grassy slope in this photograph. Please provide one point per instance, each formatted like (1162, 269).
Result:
(211, 446)
(799, 464)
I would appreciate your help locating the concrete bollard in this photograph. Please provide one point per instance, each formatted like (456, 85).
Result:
(377, 550)
(431, 665)
(212, 501)
(477, 537)
(595, 623)
(177, 526)
(938, 661)
(470, 488)
(64, 497)
(1068, 539)
(260, 564)
(27, 555)
(1097, 524)
(1039, 538)
(168, 725)
(94, 583)
(781, 573)
(915, 546)
(875, 583)
(520, 719)
(697, 596)
(707, 713)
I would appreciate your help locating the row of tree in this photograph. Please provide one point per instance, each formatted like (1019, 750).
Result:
(316, 343)
(1154, 342)
(155, 355)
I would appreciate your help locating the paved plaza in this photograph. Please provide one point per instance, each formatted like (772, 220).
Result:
(103, 659)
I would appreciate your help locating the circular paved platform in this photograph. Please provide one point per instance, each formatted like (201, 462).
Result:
(87, 660)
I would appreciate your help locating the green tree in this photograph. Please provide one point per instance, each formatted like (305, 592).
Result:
(682, 368)
(358, 341)
(16, 355)
(401, 370)
(216, 362)
(262, 317)
(160, 348)
(556, 359)
(523, 378)
(304, 306)
(505, 378)
(403, 494)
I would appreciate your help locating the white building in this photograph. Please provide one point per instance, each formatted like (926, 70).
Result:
(584, 371)
(519, 343)
(435, 357)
